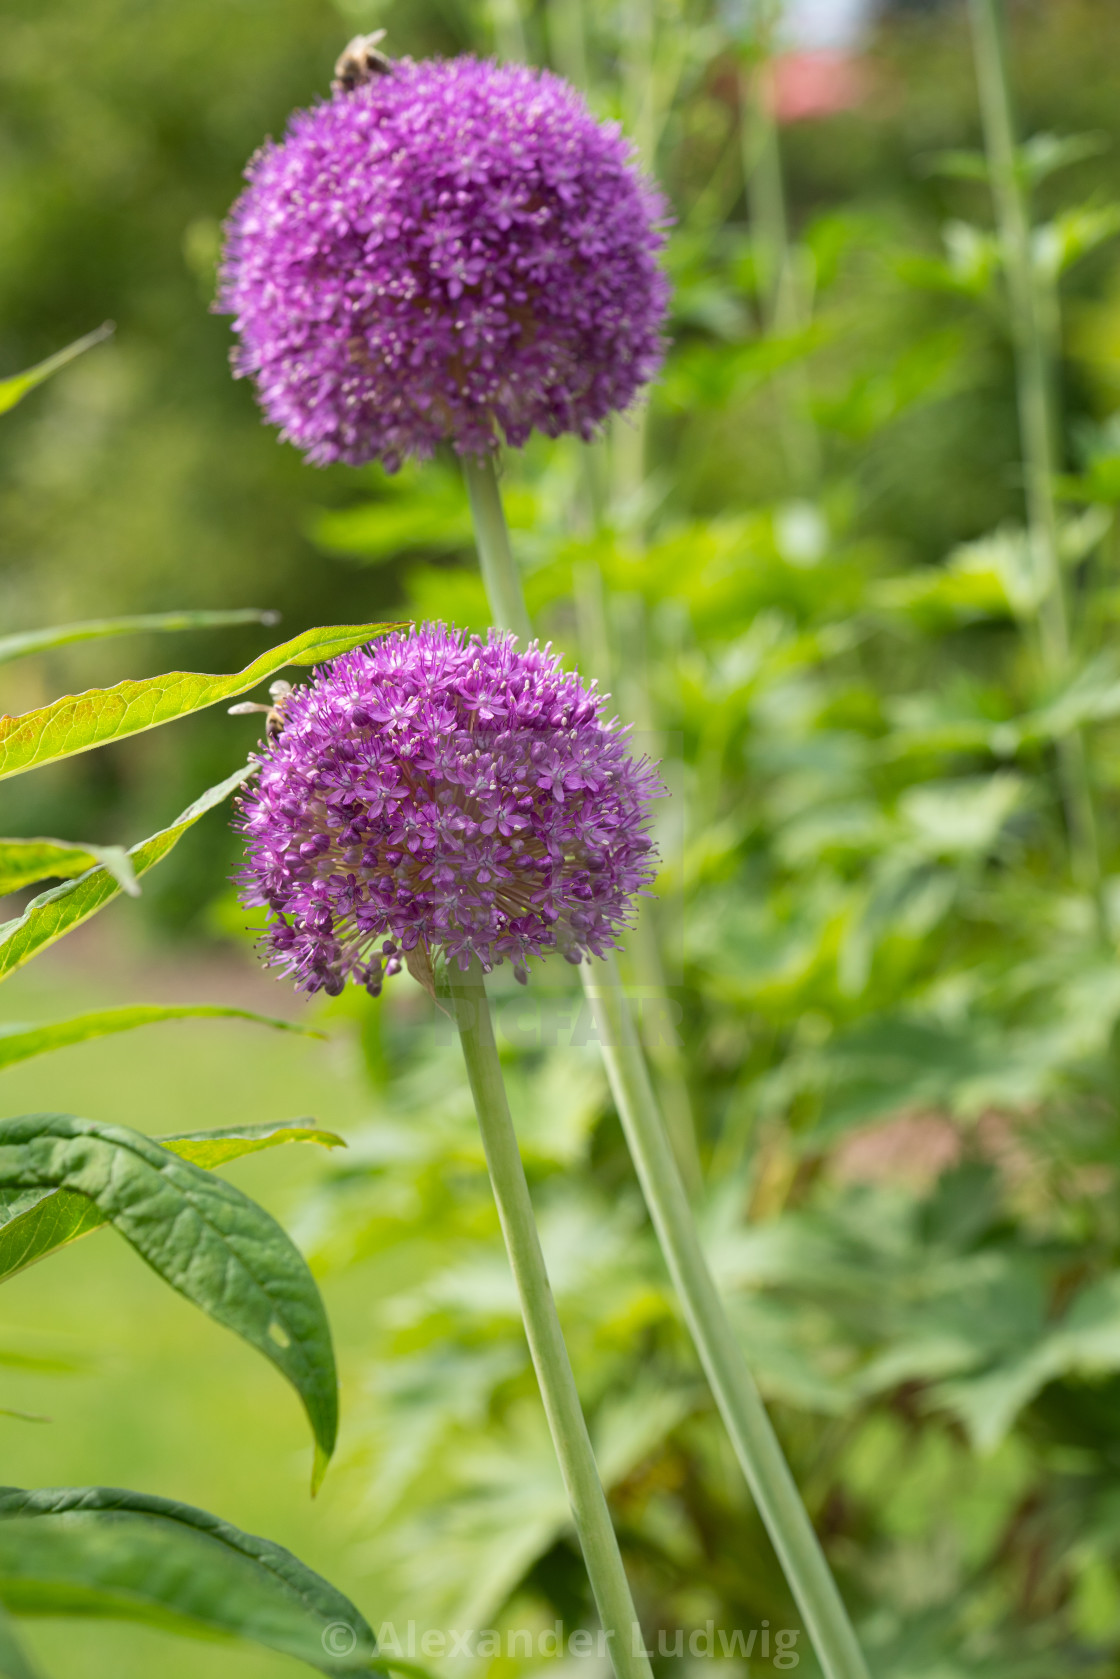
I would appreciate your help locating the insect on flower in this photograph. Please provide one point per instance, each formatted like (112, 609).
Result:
(444, 251)
(359, 62)
(274, 713)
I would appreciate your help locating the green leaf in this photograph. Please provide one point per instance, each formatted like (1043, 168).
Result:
(1091, 695)
(1037, 158)
(214, 1148)
(52, 914)
(1100, 483)
(80, 722)
(432, 513)
(15, 388)
(1060, 243)
(995, 576)
(1044, 154)
(20, 1042)
(95, 629)
(201, 1235)
(970, 266)
(24, 861)
(958, 165)
(36, 1223)
(1086, 1343)
(14, 1663)
(106, 1552)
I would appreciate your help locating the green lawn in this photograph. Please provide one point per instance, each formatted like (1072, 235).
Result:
(160, 1398)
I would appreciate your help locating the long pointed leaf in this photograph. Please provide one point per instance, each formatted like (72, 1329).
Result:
(19, 1042)
(35, 1223)
(16, 387)
(94, 629)
(214, 1148)
(24, 861)
(201, 1235)
(52, 914)
(107, 1552)
(80, 722)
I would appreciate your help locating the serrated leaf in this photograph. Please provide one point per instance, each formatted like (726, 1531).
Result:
(1085, 1342)
(15, 388)
(95, 629)
(111, 1553)
(201, 1235)
(53, 914)
(80, 722)
(20, 1042)
(24, 861)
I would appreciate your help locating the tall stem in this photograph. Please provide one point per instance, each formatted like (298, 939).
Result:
(779, 282)
(1038, 422)
(509, 34)
(542, 1328)
(744, 1416)
(567, 39)
(495, 556)
(662, 1048)
(752, 1435)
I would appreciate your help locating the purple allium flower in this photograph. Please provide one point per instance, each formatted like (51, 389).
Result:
(436, 792)
(453, 251)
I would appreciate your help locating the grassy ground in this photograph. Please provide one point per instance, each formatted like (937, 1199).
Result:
(159, 1398)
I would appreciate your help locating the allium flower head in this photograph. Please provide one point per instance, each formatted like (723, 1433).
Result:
(437, 792)
(454, 251)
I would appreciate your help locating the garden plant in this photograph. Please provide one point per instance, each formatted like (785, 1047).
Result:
(811, 787)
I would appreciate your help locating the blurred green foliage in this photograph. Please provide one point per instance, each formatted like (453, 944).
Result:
(899, 1002)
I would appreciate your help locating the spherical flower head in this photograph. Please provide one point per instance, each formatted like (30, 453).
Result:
(455, 251)
(436, 793)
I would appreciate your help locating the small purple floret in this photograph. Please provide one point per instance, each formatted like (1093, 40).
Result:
(434, 792)
(455, 251)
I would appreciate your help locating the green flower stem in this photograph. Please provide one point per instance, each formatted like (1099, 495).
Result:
(542, 1328)
(567, 39)
(1034, 367)
(509, 34)
(744, 1415)
(644, 954)
(781, 285)
(495, 557)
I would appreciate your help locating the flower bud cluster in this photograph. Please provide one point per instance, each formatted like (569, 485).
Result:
(434, 792)
(453, 251)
